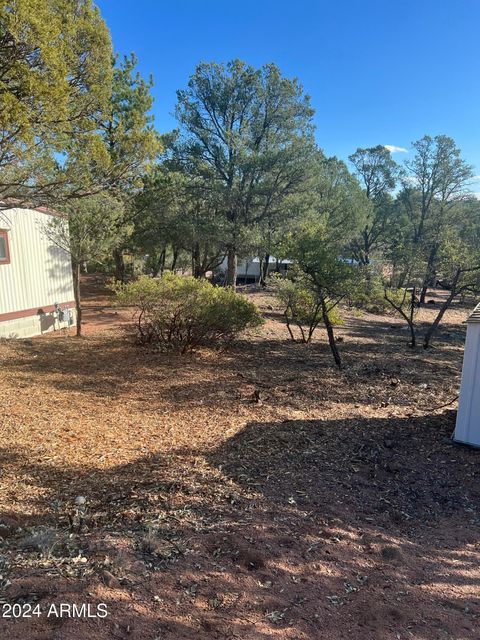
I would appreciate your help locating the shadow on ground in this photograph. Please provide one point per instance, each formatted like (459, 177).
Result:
(298, 529)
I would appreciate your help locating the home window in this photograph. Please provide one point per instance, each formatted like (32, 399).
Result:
(4, 250)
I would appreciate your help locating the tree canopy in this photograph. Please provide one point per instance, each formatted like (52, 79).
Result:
(55, 82)
(246, 134)
(241, 177)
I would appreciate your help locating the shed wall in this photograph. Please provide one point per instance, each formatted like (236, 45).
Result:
(467, 428)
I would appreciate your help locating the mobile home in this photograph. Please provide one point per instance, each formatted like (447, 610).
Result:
(36, 285)
(248, 270)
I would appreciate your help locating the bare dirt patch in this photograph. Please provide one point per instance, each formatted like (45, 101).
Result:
(251, 493)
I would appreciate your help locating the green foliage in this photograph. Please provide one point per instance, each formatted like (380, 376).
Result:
(376, 170)
(55, 82)
(127, 131)
(438, 172)
(460, 247)
(434, 184)
(402, 298)
(338, 202)
(176, 210)
(369, 295)
(246, 136)
(90, 229)
(302, 306)
(433, 232)
(130, 143)
(378, 175)
(336, 213)
(318, 246)
(185, 312)
(316, 255)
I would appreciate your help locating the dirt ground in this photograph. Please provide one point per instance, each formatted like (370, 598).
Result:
(252, 493)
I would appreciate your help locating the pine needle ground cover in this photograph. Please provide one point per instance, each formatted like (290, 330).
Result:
(253, 492)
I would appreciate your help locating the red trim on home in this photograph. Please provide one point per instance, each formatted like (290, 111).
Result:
(6, 260)
(25, 313)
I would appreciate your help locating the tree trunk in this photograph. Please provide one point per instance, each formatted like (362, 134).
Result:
(174, 259)
(408, 318)
(402, 278)
(264, 270)
(366, 248)
(163, 255)
(330, 334)
(197, 262)
(413, 340)
(423, 294)
(119, 265)
(76, 293)
(231, 280)
(429, 274)
(433, 327)
(195, 259)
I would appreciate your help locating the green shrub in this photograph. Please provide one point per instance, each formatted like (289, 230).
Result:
(184, 313)
(369, 296)
(302, 306)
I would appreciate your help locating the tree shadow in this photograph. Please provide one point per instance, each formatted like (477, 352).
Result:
(286, 373)
(295, 529)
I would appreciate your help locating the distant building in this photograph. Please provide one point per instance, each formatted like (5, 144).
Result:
(36, 285)
(248, 271)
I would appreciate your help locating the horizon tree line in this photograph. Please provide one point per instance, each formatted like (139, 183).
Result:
(241, 176)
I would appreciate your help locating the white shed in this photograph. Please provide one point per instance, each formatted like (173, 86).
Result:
(467, 428)
(36, 285)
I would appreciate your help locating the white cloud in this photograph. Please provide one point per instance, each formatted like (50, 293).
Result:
(394, 149)
(475, 179)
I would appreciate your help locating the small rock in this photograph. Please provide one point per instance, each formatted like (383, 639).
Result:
(255, 397)
(393, 466)
(80, 501)
(391, 553)
(110, 580)
(137, 567)
(265, 585)
(6, 531)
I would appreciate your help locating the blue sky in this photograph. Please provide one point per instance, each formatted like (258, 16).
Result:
(378, 71)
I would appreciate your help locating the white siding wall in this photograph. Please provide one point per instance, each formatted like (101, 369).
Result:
(467, 428)
(39, 274)
(252, 267)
